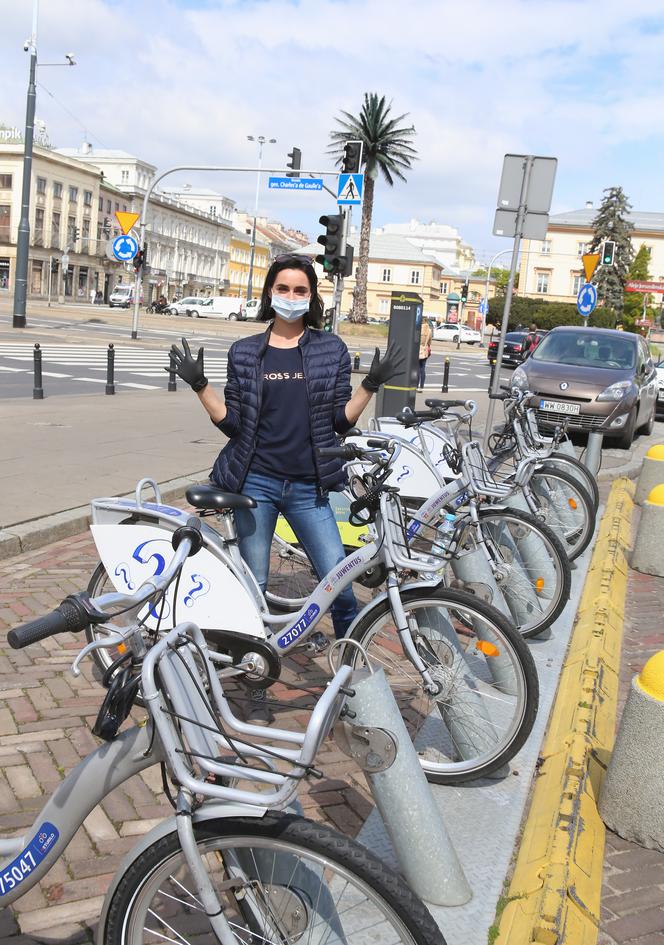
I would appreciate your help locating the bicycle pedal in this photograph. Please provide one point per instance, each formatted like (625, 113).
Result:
(316, 644)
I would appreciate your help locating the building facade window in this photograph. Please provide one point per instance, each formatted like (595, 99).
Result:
(73, 194)
(5, 181)
(85, 233)
(546, 247)
(57, 189)
(383, 306)
(41, 185)
(55, 230)
(125, 176)
(581, 249)
(542, 283)
(415, 276)
(37, 276)
(577, 282)
(387, 275)
(101, 204)
(38, 239)
(71, 226)
(444, 288)
(5, 212)
(4, 272)
(108, 206)
(87, 198)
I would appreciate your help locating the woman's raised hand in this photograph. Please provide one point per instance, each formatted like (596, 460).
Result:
(382, 369)
(189, 369)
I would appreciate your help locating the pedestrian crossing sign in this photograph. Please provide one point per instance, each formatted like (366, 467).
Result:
(350, 189)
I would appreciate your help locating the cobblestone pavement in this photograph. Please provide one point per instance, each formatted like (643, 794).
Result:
(46, 716)
(633, 886)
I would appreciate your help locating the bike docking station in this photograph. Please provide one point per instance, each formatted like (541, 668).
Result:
(379, 742)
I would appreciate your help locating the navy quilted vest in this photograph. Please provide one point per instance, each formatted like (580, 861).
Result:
(327, 375)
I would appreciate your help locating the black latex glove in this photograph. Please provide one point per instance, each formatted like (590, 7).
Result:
(382, 369)
(191, 371)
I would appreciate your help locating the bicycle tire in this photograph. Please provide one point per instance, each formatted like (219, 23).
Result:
(476, 629)
(576, 469)
(284, 903)
(511, 583)
(571, 513)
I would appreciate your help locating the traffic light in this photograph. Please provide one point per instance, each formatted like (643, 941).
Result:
(139, 260)
(328, 320)
(346, 261)
(331, 259)
(106, 227)
(295, 162)
(464, 291)
(352, 157)
(608, 253)
(76, 232)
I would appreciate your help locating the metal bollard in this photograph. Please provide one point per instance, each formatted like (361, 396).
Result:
(172, 383)
(446, 376)
(356, 361)
(493, 371)
(37, 390)
(403, 796)
(110, 370)
(592, 459)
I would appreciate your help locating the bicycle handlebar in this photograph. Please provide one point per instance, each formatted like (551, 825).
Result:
(435, 402)
(77, 611)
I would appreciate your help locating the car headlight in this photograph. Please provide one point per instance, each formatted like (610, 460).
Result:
(615, 391)
(520, 379)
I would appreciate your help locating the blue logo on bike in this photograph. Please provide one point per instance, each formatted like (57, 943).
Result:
(290, 636)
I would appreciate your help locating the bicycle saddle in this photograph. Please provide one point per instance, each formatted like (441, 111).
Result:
(216, 500)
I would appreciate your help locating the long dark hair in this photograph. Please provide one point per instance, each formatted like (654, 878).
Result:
(314, 317)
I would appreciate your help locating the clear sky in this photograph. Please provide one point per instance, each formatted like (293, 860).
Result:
(179, 81)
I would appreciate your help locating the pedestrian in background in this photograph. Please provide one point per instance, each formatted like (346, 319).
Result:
(531, 341)
(287, 394)
(426, 336)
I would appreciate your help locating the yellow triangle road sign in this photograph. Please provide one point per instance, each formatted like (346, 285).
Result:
(127, 220)
(590, 261)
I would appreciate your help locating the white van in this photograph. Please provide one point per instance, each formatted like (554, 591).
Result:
(218, 306)
(251, 309)
(122, 296)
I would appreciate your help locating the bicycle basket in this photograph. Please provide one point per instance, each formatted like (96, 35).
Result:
(208, 750)
(480, 478)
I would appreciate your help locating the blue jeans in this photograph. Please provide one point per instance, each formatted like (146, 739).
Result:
(422, 372)
(311, 518)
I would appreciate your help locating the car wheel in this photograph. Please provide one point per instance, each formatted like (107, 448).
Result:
(172, 311)
(472, 342)
(455, 338)
(624, 441)
(193, 314)
(232, 317)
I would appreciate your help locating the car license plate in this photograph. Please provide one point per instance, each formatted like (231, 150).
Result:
(557, 407)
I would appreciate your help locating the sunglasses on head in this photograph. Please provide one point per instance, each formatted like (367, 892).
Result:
(293, 257)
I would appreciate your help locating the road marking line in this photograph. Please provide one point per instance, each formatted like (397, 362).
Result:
(91, 380)
(139, 386)
(14, 370)
(53, 374)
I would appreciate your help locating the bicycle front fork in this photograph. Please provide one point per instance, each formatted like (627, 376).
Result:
(406, 636)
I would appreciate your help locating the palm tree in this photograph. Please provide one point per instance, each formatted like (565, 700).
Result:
(386, 148)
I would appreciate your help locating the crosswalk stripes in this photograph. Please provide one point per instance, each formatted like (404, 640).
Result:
(90, 359)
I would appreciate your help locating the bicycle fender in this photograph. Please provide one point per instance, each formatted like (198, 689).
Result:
(414, 585)
(214, 810)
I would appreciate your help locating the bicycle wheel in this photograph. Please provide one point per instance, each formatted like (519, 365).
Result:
(529, 565)
(292, 576)
(279, 879)
(576, 469)
(565, 506)
(489, 690)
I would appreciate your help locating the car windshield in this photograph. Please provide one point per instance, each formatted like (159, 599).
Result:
(586, 350)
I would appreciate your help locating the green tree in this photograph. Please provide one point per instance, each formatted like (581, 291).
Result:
(499, 275)
(612, 223)
(633, 301)
(387, 150)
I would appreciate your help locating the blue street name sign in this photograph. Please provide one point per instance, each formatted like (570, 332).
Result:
(350, 189)
(586, 300)
(124, 248)
(483, 307)
(295, 183)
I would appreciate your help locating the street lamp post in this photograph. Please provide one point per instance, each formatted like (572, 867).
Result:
(261, 139)
(23, 238)
(486, 291)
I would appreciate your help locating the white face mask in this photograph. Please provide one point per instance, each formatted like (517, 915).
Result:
(290, 309)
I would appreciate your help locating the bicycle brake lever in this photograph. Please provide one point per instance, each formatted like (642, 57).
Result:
(95, 645)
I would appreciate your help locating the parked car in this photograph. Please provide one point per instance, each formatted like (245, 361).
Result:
(597, 378)
(184, 306)
(452, 331)
(217, 306)
(513, 352)
(250, 312)
(122, 296)
(659, 368)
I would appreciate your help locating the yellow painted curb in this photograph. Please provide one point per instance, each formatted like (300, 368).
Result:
(554, 895)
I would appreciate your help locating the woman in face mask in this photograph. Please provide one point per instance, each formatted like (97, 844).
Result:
(287, 394)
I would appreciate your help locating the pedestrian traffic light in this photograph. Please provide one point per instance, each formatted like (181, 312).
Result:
(106, 227)
(352, 157)
(328, 320)
(346, 261)
(139, 260)
(331, 259)
(295, 162)
(464, 291)
(608, 253)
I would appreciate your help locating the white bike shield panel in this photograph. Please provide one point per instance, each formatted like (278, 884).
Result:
(434, 439)
(410, 473)
(209, 594)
